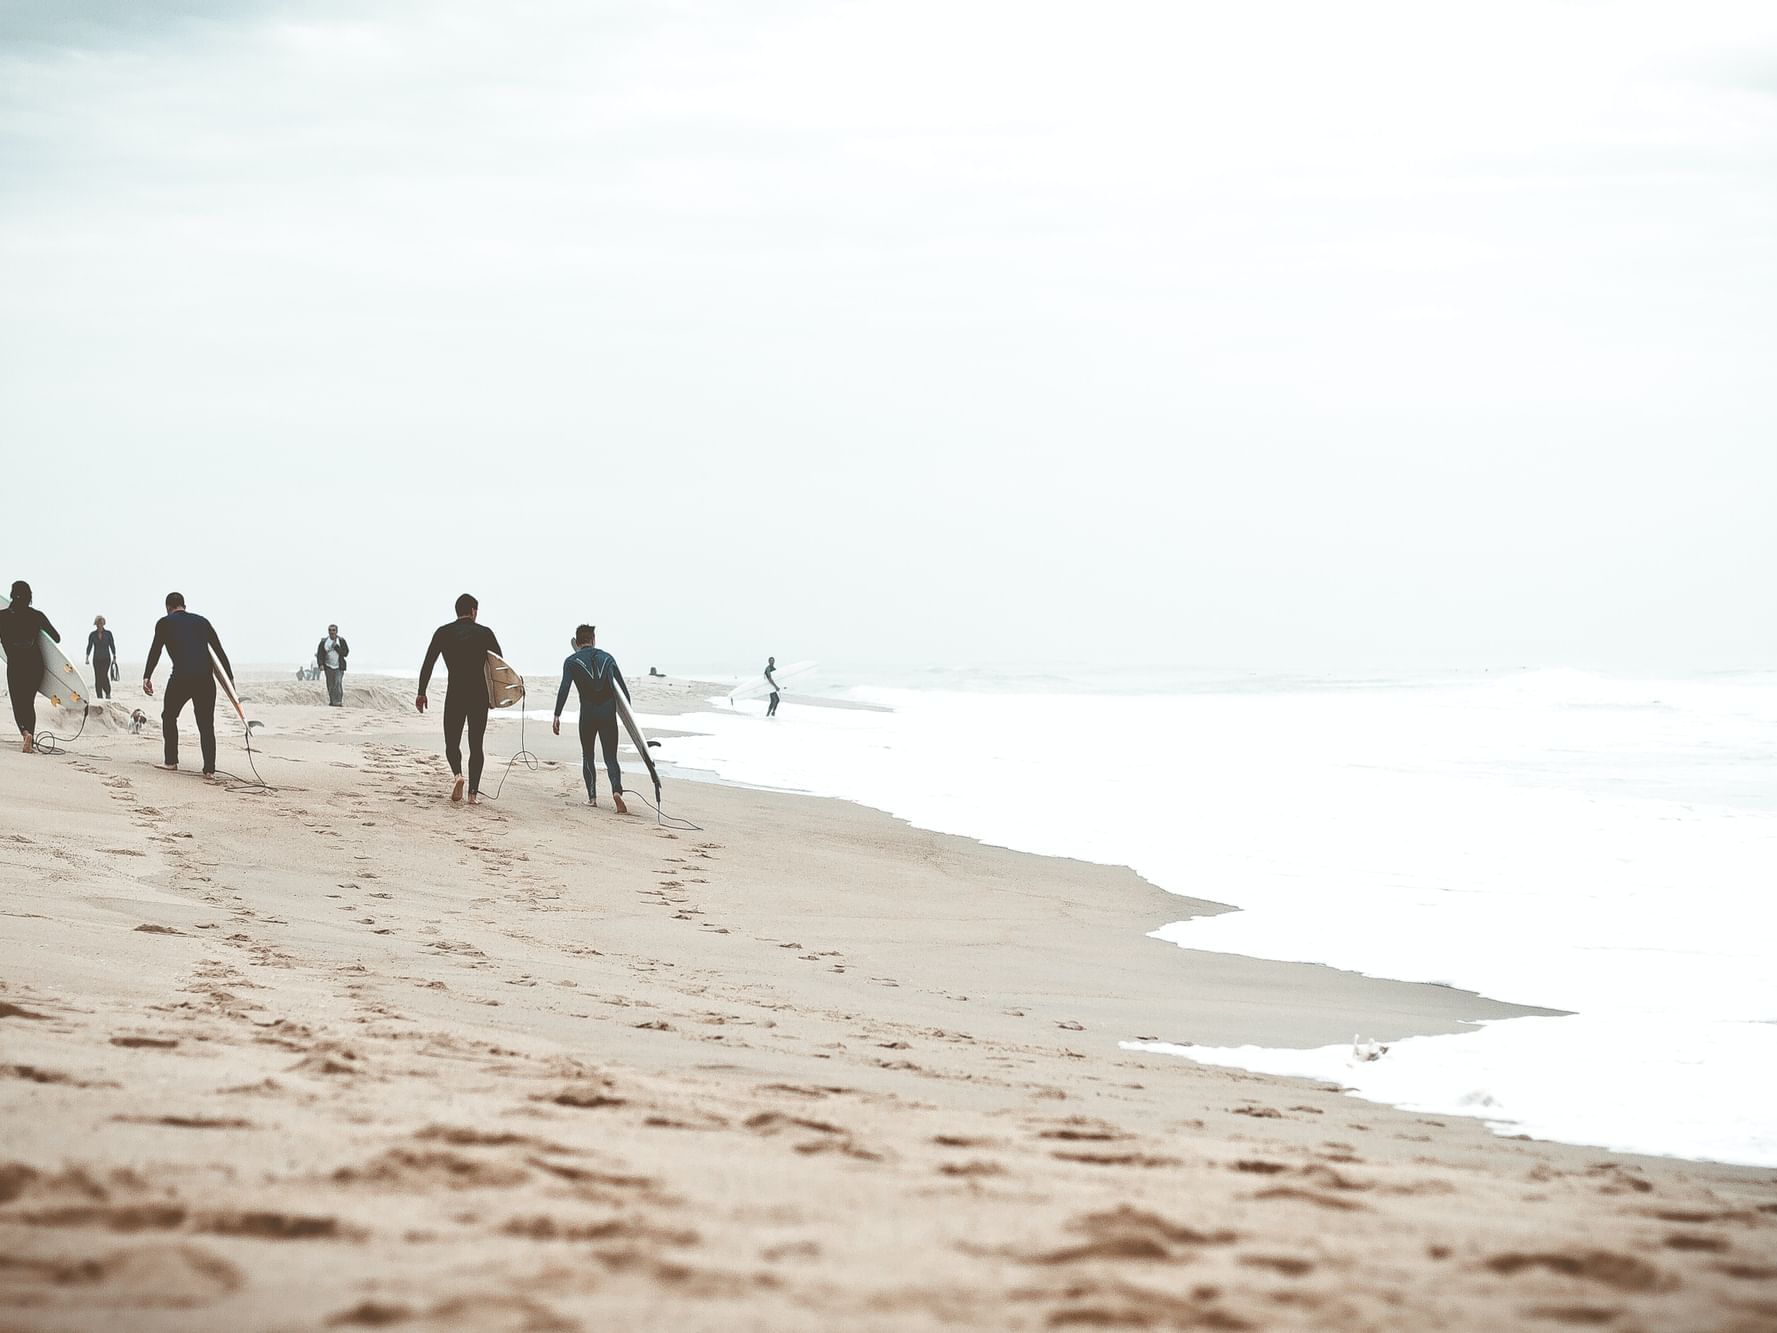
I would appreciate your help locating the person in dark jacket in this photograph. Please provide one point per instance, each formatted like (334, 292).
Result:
(101, 652)
(22, 627)
(330, 656)
(594, 672)
(464, 646)
(188, 640)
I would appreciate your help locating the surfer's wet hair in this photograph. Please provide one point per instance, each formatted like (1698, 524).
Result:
(21, 593)
(466, 604)
(175, 601)
(584, 633)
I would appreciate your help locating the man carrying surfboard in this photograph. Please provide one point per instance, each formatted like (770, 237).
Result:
(595, 673)
(188, 640)
(21, 629)
(464, 646)
(771, 666)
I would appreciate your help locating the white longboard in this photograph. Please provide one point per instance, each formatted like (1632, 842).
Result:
(758, 687)
(628, 719)
(62, 683)
(505, 686)
(227, 685)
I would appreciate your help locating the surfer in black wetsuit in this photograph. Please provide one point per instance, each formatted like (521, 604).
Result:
(464, 646)
(188, 640)
(595, 673)
(771, 666)
(21, 629)
(101, 651)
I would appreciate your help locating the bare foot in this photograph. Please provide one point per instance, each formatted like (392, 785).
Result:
(28, 738)
(617, 800)
(456, 788)
(168, 768)
(474, 798)
(592, 800)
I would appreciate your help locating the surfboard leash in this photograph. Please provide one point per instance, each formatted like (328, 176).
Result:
(257, 784)
(531, 762)
(663, 820)
(47, 742)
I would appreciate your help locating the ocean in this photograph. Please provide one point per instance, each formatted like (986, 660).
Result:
(1561, 839)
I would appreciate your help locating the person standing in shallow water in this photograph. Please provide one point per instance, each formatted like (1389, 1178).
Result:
(101, 652)
(464, 646)
(771, 680)
(594, 672)
(21, 629)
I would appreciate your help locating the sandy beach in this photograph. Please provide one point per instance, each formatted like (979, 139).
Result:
(339, 1054)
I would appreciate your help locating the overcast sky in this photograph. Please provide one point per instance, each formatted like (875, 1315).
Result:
(1270, 334)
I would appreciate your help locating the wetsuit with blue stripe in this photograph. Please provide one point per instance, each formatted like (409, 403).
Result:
(595, 673)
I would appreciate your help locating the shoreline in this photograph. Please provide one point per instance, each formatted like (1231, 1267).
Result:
(343, 1054)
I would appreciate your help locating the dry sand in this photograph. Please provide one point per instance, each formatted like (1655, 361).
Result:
(341, 1055)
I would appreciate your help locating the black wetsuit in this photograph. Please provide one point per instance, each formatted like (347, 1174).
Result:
(771, 708)
(101, 651)
(464, 646)
(21, 628)
(595, 672)
(187, 639)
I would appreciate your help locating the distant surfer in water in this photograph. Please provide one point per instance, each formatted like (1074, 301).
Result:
(101, 652)
(188, 640)
(464, 645)
(595, 673)
(771, 680)
(21, 626)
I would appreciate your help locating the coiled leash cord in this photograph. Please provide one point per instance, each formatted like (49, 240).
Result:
(47, 742)
(531, 762)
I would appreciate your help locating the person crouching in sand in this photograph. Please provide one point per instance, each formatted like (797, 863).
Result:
(464, 645)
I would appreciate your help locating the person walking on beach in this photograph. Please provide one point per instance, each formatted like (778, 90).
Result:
(101, 652)
(464, 646)
(21, 629)
(188, 640)
(330, 656)
(594, 672)
(771, 680)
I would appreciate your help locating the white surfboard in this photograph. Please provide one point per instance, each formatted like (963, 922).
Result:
(505, 686)
(758, 687)
(628, 719)
(62, 683)
(227, 685)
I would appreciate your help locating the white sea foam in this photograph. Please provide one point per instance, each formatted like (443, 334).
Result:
(1559, 839)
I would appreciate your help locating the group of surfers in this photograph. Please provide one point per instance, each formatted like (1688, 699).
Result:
(189, 640)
